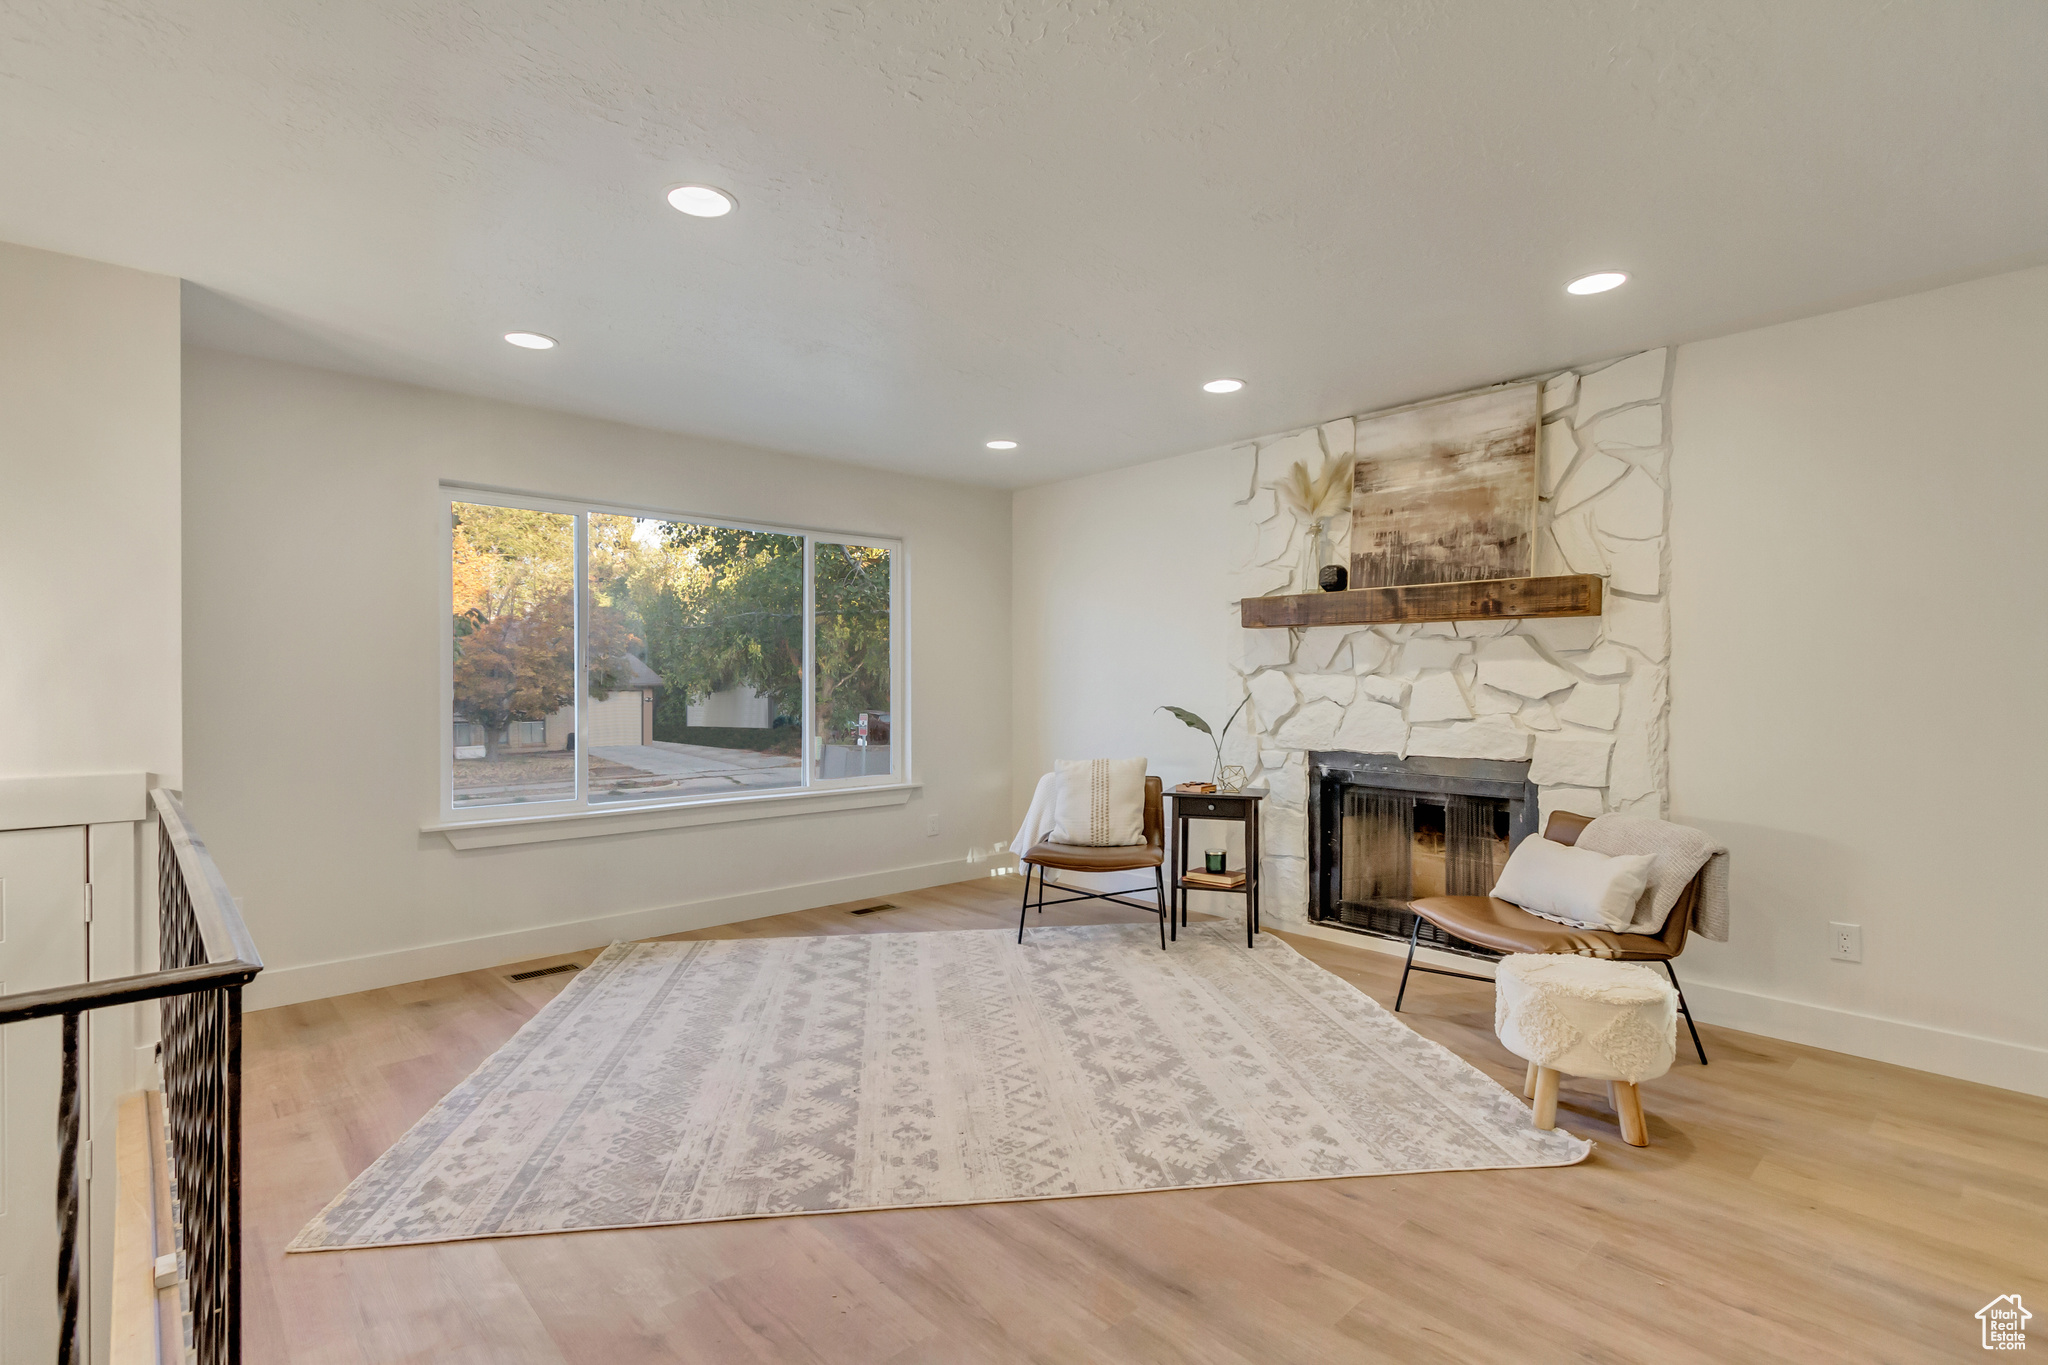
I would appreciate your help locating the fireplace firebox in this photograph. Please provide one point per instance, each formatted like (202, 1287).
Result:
(1384, 831)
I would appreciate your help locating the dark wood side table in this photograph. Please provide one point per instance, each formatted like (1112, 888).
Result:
(1241, 806)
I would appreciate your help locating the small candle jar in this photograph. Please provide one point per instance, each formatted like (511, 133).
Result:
(1212, 859)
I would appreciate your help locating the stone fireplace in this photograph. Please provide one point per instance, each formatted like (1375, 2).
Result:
(1569, 712)
(1385, 830)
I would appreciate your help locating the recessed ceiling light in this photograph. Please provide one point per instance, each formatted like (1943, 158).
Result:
(1597, 284)
(701, 201)
(532, 341)
(1002, 445)
(1223, 386)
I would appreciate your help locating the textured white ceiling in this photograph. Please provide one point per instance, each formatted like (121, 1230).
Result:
(1042, 221)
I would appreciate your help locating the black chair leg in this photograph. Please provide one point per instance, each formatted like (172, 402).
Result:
(1024, 909)
(1165, 910)
(1690, 1026)
(1402, 994)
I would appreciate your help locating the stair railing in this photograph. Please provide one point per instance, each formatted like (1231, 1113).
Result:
(205, 957)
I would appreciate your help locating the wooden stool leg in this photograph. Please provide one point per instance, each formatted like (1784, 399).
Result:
(1628, 1110)
(1546, 1097)
(1529, 1082)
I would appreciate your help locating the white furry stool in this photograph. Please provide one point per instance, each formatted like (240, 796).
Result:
(1586, 1016)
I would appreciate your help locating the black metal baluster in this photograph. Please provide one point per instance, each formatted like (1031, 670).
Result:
(68, 1352)
(231, 1177)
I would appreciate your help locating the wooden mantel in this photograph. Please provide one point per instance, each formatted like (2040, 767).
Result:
(1492, 599)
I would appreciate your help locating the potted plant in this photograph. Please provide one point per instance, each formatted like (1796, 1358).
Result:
(1195, 722)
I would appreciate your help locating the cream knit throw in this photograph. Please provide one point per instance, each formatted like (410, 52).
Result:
(1680, 852)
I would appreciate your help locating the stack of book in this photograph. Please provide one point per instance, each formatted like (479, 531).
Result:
(1215, 881)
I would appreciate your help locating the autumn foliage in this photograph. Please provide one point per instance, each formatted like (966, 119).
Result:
(705, 607)
(515, 619)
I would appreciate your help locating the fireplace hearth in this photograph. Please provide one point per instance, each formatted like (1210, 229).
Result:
(1384, 831)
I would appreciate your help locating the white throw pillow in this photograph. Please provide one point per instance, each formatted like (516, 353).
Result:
(1574, 885)
(1098, 802)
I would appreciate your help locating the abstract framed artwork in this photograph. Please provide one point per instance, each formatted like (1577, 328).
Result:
(1445, 491)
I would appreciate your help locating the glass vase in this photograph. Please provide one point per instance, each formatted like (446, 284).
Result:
(1314, 551)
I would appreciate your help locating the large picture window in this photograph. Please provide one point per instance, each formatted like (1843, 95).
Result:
(602, 657)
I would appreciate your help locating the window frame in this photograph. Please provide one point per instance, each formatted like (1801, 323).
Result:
(898, 772)
(580, 804)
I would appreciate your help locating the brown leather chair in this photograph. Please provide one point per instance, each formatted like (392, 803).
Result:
(1114, 858)
(1489, 923)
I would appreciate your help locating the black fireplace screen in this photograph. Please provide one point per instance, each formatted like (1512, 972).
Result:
(1399, 847)
(1382, 846)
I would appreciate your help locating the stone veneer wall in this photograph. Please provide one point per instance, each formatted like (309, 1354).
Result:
(1585, 699)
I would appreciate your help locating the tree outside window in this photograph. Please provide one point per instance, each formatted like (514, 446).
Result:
(701, 631)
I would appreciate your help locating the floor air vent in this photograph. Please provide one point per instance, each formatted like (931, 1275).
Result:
(870, 909)
(555, 970)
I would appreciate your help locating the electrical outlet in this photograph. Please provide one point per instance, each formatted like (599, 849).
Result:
(1846, 941)
(931, 825)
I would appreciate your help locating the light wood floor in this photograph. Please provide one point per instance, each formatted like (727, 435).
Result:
(1796, 1205)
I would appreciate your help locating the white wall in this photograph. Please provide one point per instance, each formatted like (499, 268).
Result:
(1122, 601)
(89, 642)
(89, 399)
(1858, 580)
(312, 637)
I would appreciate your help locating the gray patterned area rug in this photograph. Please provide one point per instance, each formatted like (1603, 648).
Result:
(692, 1082)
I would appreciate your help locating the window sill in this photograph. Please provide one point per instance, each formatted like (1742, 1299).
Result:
(590, 824)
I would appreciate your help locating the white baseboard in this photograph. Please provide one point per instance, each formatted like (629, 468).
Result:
(319, 980)
(1965, 1056)
(145, 1069)
(1946, 1052)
